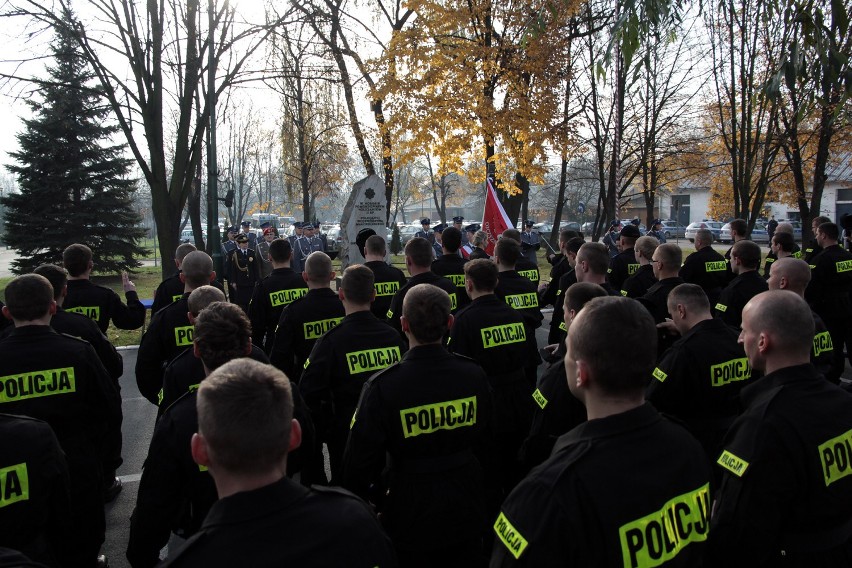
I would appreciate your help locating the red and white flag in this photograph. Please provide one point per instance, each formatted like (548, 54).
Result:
(494, 218)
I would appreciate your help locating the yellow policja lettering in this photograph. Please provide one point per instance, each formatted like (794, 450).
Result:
(730, 371)
(91, 312)
(456, 279)
(836, 458)
(822, 343)
(284, 297)
(371, 359)
(502, 335)
(430, 418)
(386, 288)
(531, 275)
(316, 329)
(14, 484)
(715, 266)
(509, 536)
(659, 374)
(844, 265)
(732, 463)
(37, 384)
(522, 301)
(658, 537)
(539, 398)
(183, 335)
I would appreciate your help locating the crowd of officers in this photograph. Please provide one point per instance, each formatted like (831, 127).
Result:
(684, 412)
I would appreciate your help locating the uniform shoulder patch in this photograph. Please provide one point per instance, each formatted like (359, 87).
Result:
(733, 463)
(510, 536)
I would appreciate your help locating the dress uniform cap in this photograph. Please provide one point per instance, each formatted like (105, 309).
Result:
(307, 225)
(472, 228)
(439, 228)
(265, 225)
(232, 229)
(268, 231)
(529, 223)
(245, 224)
(458, 219)
(425, 221)
(241, 238)
(630, 231)
(656, 222)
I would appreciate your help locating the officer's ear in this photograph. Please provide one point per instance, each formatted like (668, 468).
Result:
(6, 313)
(403, 323)
(295, 435)
(52, 308)
(248, 349)
(182, 278)
(305, 276)
(212, 276)
(198, 447)
(195, 350)
(332, 276)
(450, 321)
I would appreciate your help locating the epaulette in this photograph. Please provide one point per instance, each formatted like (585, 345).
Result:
(74, 337)
(465, 357)
(382, 372)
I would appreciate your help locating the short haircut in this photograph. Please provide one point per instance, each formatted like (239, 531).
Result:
(704, 236)
(318, 267)
(670, 255)
(820, 220)
(596, 255)
(740, 226)
(479, 238)
(748, 252)
(690, 295)
(56, 275)
(451, 239)
(28, 297)
(358, 283)
(76, 259)
(245, 413)
(202, 297)
(647, 246)
(183, 250)
(830, 230)
(222, 333)
(784, 228)
(635, 333)
(785, 241)
(795, 270)
(280, 250)
(482, 273)
(513, 234)
(419, 251)
(580, 293)
(426, 308)
(574, 243)
(507, 251)
(628, 241)
(566, 235)
(376, 245)
(786, 317)
(197, 268)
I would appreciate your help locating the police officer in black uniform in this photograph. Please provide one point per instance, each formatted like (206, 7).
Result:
(813, 248)
(243, 271)
(59, 379)
(624, 264)
(829, 291)
(171, 289)
(786, 495)
(745, 259)
(643, 278)
(418, 261)
(388, 279)
(306, 319)
(561, 266)
(556, 410)
(431, 415)
(36, 499)
(494, 335)
(524, 266)
(666, 262)
(699, 378)
(780, 246)
(606, 495)
(557, 324)
(98, 302)
(274, 293)
(341, 362)
(706, 267)
(451, 266)
(170, 331)
(274, 521)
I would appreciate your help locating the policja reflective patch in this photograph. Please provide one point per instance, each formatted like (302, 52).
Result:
(502, 335)
(456, 279)
(316, 329)
(844, 266)
(509, 536)
(660, 536)
(836, 458)
(521, 301)
(659, 374)
(715, 266)
(531, 275)
(430, 418)
(730, 371)
(539, 398)
(722, 307)
(632, 268)
(36, 384)
(285, 297)
(14, 484)
(732, 463)
(91, 312)
(386, 288)
(183, 335)
(822, 343)
(371, 359)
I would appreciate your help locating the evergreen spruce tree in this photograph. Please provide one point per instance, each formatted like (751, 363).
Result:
(74, 182)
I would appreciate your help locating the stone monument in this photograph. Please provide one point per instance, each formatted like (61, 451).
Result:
(366, 208)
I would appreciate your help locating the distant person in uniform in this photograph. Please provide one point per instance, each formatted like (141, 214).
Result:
(59, 379)
(706, 267)
(243, 271)
(612, 237)
(739, 232)
(426, 420)
(785, 497)
(438, 233)
(451, 266)
(262, 252)
(458, 222)
(643, 278)
(558, 326)
(388, 279)
(272, 294)
(229, 245)
(245, 228)
(524, 266)
(425, 232)
(296, 262)
(99, 302)
(307, 244)
(171, 289)
(657, 231)
(624, 264)
(605, 495)
(771, 227)
(245, 431)
(745, 259)
(592, 265)
(530, 242)
(479, 242)
(813, 248)
(665, 261)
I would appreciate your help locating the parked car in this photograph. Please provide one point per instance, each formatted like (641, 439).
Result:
(759, 234)
(406, 232)
(333, 241)
(673, 230)
(715, 227)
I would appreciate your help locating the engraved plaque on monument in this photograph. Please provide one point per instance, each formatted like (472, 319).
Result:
(366, 208)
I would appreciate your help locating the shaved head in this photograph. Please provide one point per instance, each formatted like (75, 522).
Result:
(318, 267)
(789, 273)
(784, 319)
(197, 268)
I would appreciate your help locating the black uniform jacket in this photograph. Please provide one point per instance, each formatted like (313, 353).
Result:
(451, 267)
(607, 497)
(699, 379)
(171, 290)
(737, 294)
(80, 326)
(184, 373)
(243, 268)
(831, 282)
(708, 269)
(822, 354)
(621, 267)
(549, 296)
(285, 524)
(388, 281)
(811, 251)
(638, 285)
(528, 270)
(477, 254)
(657, 295)
(303, 322)
(275, 292)
(521, 294)
(395, 310)
(557, 319)
(429, 419)
(102, 305)
(786, 495)
(36, 500)
(772, 257)
(168, 335)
